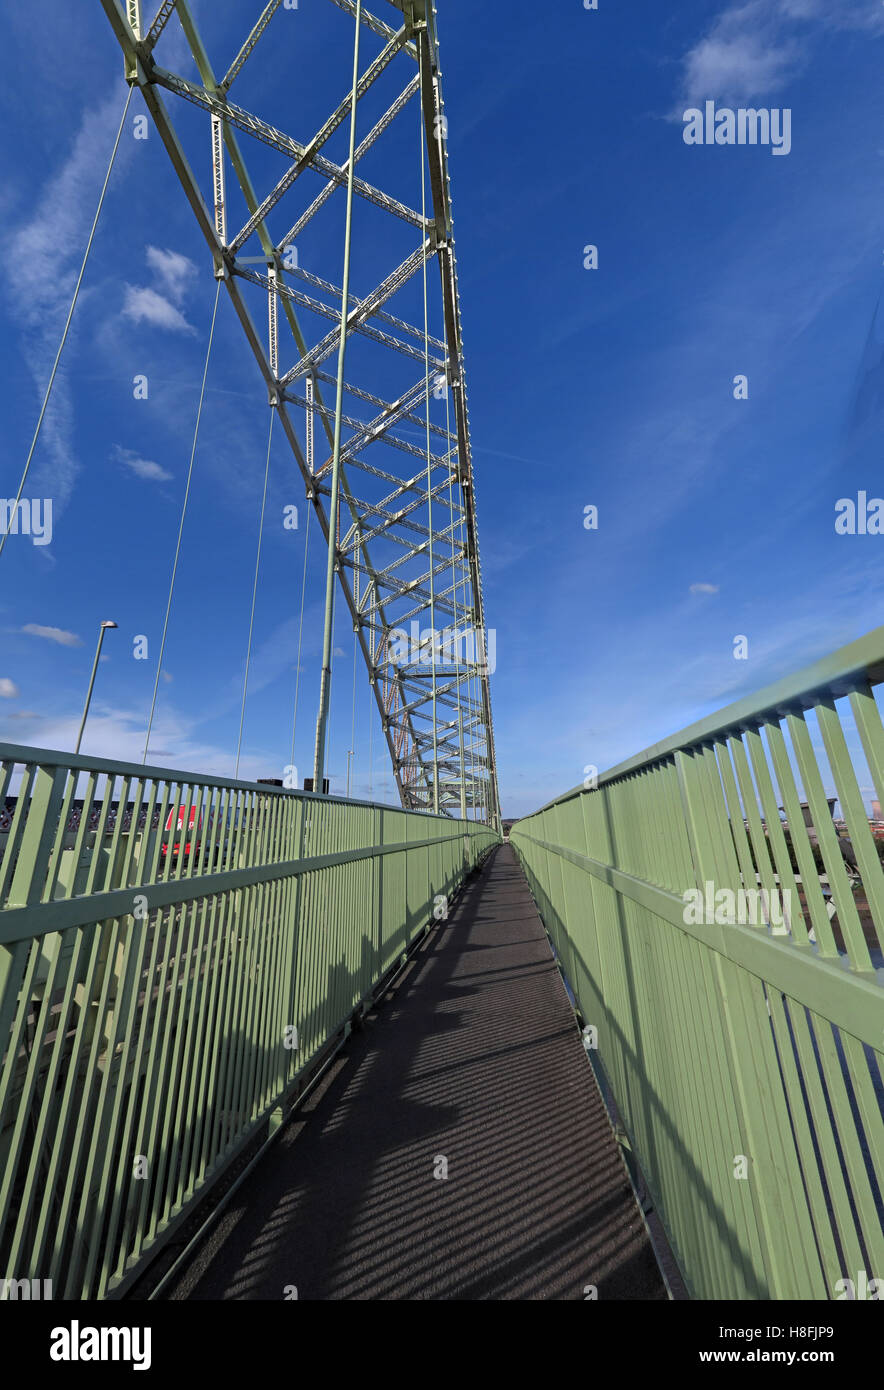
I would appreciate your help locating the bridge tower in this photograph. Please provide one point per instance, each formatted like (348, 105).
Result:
(392, 481)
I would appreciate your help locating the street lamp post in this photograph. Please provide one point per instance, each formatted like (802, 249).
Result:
(101, 631)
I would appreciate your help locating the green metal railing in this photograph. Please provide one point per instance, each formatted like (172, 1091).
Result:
(177, 954)
(743, 1044)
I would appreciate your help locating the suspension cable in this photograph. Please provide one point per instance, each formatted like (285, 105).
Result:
(334, 503)
(353, 728)
(13, 513)
(457, 676)
(429, 487)
(196, 431)
(372, 710)
(245, 684)
(300, 635)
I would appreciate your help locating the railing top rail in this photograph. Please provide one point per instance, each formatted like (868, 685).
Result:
(78, 762)
(831, 677)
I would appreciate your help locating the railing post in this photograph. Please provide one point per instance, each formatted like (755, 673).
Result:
(751, 1077)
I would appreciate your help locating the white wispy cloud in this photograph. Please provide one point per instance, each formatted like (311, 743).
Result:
(53, 634)
(8, 688)
(143, 468)
(43, 258)
(118, 732)
(756, 46)
(144, 305)
(737, 66)
(173, 270)
(847, 14)
(161, 306)
(704, 588)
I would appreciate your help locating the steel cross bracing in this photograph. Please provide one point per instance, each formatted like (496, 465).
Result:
(406, 555)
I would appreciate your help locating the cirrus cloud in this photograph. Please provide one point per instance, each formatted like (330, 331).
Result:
(755, 46)
(173, 270)
(144, 305)
(142, 468)
(53, 634)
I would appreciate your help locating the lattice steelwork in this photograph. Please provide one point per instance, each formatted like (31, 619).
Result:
(407, 556)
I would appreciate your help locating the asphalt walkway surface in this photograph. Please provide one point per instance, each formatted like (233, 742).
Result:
(457, 1149)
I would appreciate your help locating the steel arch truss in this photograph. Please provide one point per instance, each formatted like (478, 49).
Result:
(407, 554)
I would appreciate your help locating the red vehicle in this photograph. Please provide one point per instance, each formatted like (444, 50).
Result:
(189, 843)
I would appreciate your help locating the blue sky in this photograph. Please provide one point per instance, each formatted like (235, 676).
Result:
(611, 387)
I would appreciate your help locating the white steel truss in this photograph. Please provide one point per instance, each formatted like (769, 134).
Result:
(406, 548)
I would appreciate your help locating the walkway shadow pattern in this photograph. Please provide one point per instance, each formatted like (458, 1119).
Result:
(471, 1067)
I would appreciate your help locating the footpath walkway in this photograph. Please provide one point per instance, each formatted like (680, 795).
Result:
(472, 1067)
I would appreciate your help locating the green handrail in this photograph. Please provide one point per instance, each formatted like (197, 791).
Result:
(178, 953)
(728, 965)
